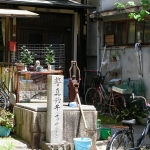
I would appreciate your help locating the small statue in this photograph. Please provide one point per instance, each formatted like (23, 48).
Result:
(38, 67)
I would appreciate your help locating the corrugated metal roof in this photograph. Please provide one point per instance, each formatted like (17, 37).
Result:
(17, 13)
(49, 3)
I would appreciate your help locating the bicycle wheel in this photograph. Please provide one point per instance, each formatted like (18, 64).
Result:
(120, 141)
(98, 102)
(89, 96)
(92, 97)
(117, 104)
(3, 100)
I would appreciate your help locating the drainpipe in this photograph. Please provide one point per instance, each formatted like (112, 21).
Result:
(99, 38)
(6, 38)
(98, 47)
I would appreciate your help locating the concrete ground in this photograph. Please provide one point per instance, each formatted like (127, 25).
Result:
(13, 143)
(100, 144)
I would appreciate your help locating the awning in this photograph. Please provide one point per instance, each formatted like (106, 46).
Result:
(96, 15)
(17, 13)
(49, 3)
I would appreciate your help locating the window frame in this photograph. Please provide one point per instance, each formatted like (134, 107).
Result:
(127, 30)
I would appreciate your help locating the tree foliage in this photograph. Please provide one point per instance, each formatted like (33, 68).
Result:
(142, 14)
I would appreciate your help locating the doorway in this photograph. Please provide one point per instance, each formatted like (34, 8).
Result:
(48, 29)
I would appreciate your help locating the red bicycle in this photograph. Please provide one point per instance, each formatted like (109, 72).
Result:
(105, 102)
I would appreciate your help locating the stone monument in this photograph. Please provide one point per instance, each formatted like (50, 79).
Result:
(54, 124)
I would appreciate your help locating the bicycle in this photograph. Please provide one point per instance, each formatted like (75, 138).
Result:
(123, 139)
(97, 96)
(4, 92)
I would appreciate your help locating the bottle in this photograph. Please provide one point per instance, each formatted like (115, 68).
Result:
(98, 129)
(98, 123)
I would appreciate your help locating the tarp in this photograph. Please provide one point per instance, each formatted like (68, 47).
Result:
(17, 13)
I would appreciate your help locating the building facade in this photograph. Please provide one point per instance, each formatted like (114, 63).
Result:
(112, 28)
(59, 22)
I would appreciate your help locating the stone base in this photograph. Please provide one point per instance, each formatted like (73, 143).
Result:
(31, 123)
(55, 146)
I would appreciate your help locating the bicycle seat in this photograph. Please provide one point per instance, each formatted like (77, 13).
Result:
(129, 122)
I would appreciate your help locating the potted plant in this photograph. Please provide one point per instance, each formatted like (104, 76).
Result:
(27, 57)
(7, 122)
(50, 58)
(134, 112)
(19, 66)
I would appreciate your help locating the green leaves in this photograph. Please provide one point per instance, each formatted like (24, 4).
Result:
(119, 5)
(7, 119)
(26, 56)
(50, 55)
(130, 3)
(142, 14)
(145, 2)
(134, 112)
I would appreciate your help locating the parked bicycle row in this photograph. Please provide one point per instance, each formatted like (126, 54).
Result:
(112, 98)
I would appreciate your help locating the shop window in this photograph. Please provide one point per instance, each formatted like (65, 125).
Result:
(147, 32)
(131, 32)
(139, 32)
(127, 32)
(124, 32)
(109, 39)
(120, 32)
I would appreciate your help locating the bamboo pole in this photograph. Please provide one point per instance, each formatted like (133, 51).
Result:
(81, 110)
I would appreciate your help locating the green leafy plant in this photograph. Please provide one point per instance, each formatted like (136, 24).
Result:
(120, 5)
(27, 57)
(134, 112)
(144, 12)
(50, 55)
(7, 119)
(7, 146)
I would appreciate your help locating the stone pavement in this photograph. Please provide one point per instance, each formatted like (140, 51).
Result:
(101, 144)
(13, 143)
(19, 144)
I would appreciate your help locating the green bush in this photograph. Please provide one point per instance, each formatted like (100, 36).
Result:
(7, 119)
(133, 112)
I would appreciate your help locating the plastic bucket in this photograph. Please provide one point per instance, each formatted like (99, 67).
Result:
(66, 82)
(73, 104)
(82, 143)
(105, 132)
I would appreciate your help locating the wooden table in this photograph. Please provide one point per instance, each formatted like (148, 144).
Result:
(34, 75)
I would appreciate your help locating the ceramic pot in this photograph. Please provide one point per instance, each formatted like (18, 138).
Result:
(4, 131)
(39, 68)
(27, 76)
(19, 67)
(31, 68)
(51, 67)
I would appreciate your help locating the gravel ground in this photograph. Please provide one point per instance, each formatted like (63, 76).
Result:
(19, 144)
(13, 143)
(101, 144)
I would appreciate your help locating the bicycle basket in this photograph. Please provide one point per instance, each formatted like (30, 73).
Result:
(96, 80)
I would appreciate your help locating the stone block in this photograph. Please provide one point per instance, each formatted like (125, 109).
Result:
(31, 123)
(53, 146)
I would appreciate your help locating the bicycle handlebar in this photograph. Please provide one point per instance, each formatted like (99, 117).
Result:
(138, 97)
(105, 75)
